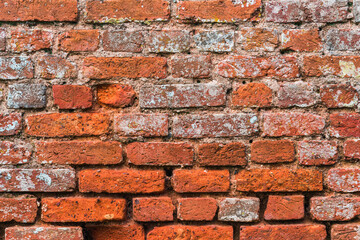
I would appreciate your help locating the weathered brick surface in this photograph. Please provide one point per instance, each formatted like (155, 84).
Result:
(121, 181)
(116, 95)
(301, 40)
(146, 125)
(76, 209)
(12, 68)
(112, 11)
(257, 67)
(196, 209)
(200, 180)
(153, 209)
(29, 41)
(182, 96)
(22, 210)
(316, 152)
(37, 180)
(72, 96)
(184, 232)
(217, 11)
(67, 124)
(14, 153)
(215, 125)
(278, 180)
(47, 10)
(179, 119)
(214, 41)
(160, 154)
(43, 232)
(79, 41)
(285, 207)
(78, 152)
(292, 124)
(239, 209)
(283, 232)
(334, 208)
(111, 232)
(112, 67)
(22, 95)
(217, 154)
(123, 41)
(267, 151)
(169, 41)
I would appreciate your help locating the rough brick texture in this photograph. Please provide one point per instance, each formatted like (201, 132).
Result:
(179, 119)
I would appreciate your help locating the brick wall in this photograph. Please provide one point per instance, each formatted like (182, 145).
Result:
(179, 120)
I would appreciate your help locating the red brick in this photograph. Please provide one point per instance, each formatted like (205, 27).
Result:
(193, 66)
(76, 209)
(279, 180)
(294, 11)
(153, 209)
(300, 94)
(121, 181)
(43, 232)
(339, 96)
(147, 125)
(334, 208)
(116, 95)
(200, 180)
(258, 39)
(123, 41)
(131, 231)
(283, 232)
(344, 179)
(215, 125)
(14, 153)
(168, 41)
(72, 96)
(79, 152)
(22, 210)
(285, 207)
(252, 95)
(30, 40)
(239, 209)
(67, 124)
(257, 67)
(345, 232)
(196, 209)
(160, 153)
(79, 41)
(267, 151)
(301, 40)
(217, 154)
(188, 232)
(214, 41)
(183, 95)
(10, 124)
(38, 10)
(292, 124)
(343, 40)
(37, 180)
(12, 68)
(129, 67)
(218, 11)
(2, 39)
(51, 66)
(341, 66)
(352, 149)
(344, 124)
(114, 11)
(317, 152)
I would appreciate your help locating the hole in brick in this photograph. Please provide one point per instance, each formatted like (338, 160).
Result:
(168, 172)
(244, 82)
(251, 141)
